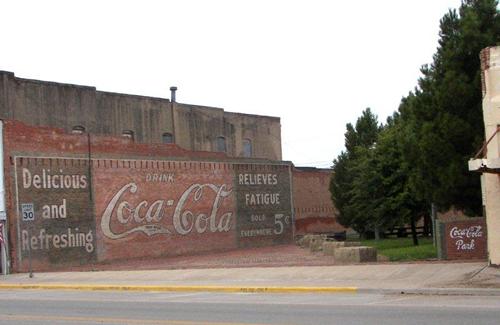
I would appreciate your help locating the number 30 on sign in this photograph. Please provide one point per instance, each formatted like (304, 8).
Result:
(28, 211)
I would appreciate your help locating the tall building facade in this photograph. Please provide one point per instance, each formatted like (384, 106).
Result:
(145, 119)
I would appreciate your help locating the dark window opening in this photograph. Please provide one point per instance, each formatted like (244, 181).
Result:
(78, 129)
(128, 134)
(220, 144)
(247, 148)
(167, 138)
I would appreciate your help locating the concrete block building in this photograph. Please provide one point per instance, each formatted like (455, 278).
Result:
(145, 119)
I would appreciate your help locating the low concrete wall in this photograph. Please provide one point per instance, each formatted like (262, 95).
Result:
(359, 254)
(308, 240)
(329, 247)
(316, 244)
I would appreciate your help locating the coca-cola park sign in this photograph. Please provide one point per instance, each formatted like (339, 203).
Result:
(465, 239)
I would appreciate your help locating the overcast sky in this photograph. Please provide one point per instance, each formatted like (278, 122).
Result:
(316, 64)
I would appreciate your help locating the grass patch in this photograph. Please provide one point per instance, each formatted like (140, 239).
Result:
(402, 249)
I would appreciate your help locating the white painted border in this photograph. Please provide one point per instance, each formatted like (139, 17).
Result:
(5, 233)
(19, 252)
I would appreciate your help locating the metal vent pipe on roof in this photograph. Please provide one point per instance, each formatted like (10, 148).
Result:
(173, 89)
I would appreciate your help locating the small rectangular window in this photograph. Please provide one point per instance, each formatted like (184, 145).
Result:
(247, 148)
(78, 129)
(167, 138)
(220, 143)
(128, 134)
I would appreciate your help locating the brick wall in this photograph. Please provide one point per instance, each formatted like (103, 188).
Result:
(485, 65)
(461, 240)
(101, 199)
(313, 207)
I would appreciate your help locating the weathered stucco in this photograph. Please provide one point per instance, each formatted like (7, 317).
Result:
(490, 58)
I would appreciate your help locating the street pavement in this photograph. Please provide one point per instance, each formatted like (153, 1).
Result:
(280, 285)
(202, 308)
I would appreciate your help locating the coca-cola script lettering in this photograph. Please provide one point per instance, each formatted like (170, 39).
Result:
(465, 237)
(470, 232)
(147, 217)
(465, 246)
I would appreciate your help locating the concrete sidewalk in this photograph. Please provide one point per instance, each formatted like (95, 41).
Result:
(416, 278)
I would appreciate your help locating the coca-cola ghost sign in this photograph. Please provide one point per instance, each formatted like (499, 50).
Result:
(189, 208)
(151, 218)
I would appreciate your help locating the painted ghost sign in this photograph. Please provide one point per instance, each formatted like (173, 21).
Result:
(169, 208)
(264, 205)
(146, 216)
(62, 228)
(136, 209)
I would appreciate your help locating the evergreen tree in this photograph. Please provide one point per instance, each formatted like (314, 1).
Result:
(389, 176)
(399, 204)
(443, 117)
(346, 167)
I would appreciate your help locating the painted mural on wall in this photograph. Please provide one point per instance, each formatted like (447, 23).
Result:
(148, 208)
(264, 205)
(55, 221)
(163, 208)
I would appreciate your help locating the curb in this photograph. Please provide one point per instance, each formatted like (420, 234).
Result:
(434, 291)
(151, 288)
(256, 289)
